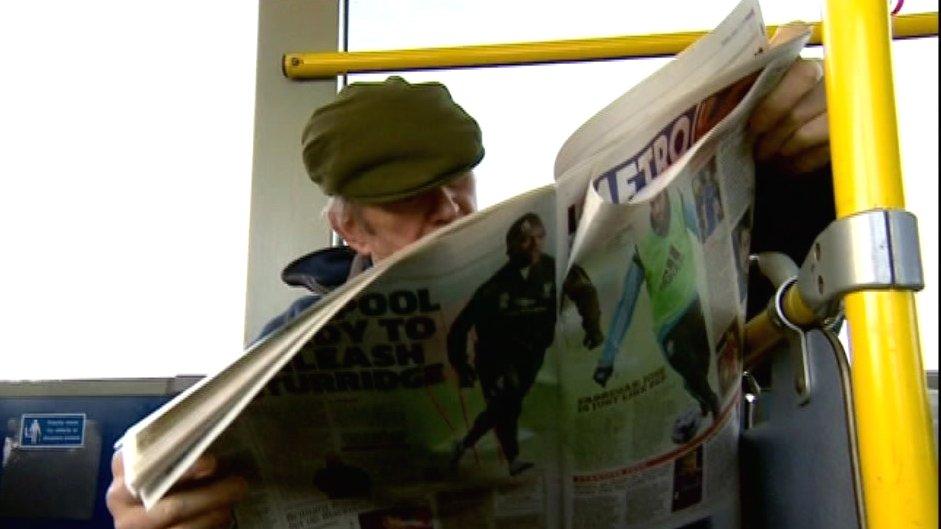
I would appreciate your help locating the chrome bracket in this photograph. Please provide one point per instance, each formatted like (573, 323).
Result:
(798, 350)
(752, 394)
(872, 250)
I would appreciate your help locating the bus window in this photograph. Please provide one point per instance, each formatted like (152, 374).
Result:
(124, 193)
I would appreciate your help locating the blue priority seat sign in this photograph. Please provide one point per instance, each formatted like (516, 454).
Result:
(52, 430)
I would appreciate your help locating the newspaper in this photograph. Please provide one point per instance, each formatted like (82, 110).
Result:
(569, 358)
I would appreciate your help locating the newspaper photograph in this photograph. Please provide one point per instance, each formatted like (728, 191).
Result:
(652, 414)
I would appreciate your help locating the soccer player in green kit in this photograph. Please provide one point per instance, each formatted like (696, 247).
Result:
(665, 263)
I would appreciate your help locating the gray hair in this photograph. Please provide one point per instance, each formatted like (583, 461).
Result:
(342, 209)
(336, 205)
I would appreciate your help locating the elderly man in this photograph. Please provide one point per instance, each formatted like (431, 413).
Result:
(397, 160)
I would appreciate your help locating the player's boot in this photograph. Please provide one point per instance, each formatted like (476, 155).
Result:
(602, 374)
(685, 426)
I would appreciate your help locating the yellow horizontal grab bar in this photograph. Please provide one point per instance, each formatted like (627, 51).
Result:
(762, 333)
(331, 64)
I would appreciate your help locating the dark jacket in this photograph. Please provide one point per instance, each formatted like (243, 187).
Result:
(790, 211)
(319, 272)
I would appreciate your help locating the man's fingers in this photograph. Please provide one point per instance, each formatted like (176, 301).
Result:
(117, 464)
(191, 503)
(134, 519)
(118, 496)
(121, 503)
(127, 511)
(810, 108)
(208, 505)
(769, 145)
(812, 134)
(791, 123)
(800, 79)
(811, 159)
(218, 519)
(204, 467)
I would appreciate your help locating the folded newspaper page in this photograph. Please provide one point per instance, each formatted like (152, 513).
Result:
(569, 358)
(652, 414)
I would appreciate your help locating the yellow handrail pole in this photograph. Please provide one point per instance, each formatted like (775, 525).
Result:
(330, 64)
(898, 464)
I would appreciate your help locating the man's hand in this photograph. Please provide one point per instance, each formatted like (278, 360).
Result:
(200, 500)
(790, 124)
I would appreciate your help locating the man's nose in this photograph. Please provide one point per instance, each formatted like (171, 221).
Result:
(446, 208)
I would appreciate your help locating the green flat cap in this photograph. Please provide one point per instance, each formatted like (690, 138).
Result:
(380, 142)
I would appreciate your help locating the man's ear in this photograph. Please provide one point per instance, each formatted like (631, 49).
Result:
(350, 230)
